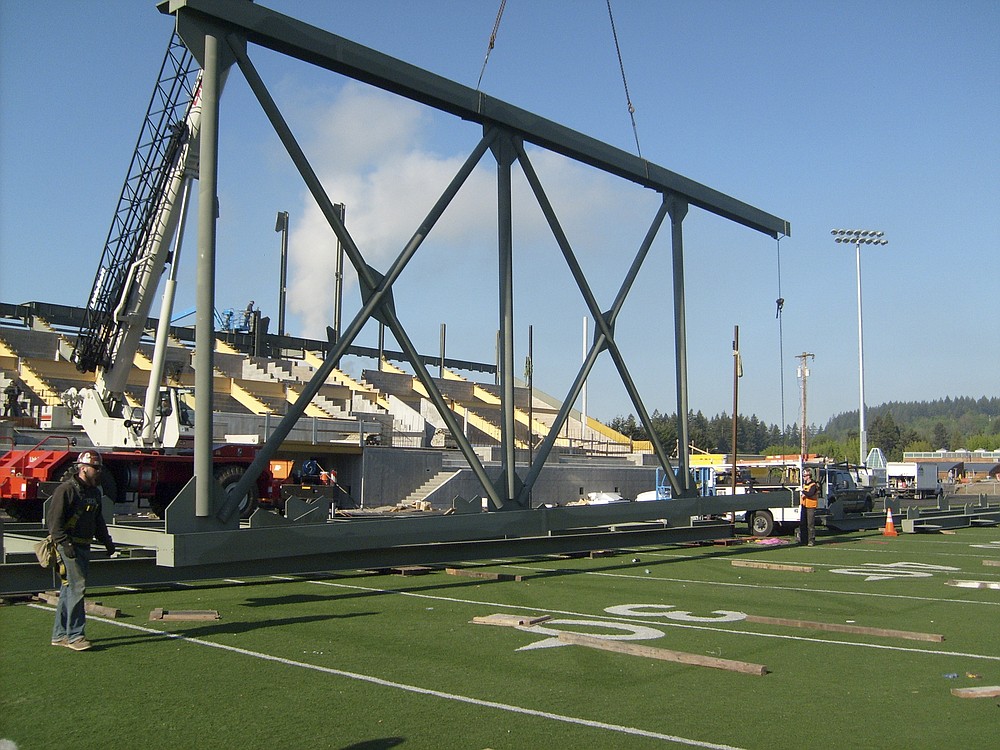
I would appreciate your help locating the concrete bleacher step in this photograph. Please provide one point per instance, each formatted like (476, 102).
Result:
(32, 380)
(432, 484)
(339, 377)
(318, 407)
(536, 427)
(64, 346)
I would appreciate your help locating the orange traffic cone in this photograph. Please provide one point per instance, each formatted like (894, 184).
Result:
(890, 527)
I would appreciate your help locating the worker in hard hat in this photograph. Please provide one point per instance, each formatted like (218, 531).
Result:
(74, 520)
(809, 500)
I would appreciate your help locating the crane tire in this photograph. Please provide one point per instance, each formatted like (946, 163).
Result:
(229, 475)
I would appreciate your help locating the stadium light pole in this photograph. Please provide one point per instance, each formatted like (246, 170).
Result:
(281, 225)
(859, 237)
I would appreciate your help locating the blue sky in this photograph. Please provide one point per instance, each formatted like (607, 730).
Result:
(871, 115)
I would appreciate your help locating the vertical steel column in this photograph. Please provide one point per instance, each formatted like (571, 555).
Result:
(204, 339)
(377, 301)
(504, 152)
(338, 291)
(604, 339)
(444, 330)
(678, 208)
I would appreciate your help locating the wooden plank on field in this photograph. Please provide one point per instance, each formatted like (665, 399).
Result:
(728, 541)
(412, 570)
(974, 584)
(838, 628)
(484, 574)
(183, 614)
(510, 621)
(977, 692)
(91, 608)
(995, 563)
(624, 647)
(773, 566)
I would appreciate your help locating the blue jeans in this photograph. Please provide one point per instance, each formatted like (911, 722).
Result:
(70, 615)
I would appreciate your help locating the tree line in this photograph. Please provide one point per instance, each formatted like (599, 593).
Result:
(895, 427)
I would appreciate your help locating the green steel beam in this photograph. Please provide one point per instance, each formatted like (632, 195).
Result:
(289, 36)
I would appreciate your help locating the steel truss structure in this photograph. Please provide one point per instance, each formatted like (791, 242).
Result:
(220, 33)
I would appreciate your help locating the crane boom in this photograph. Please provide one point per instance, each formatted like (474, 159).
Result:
(137, 249)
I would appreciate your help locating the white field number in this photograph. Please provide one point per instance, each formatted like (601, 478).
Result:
(887, 571)
(621, 631)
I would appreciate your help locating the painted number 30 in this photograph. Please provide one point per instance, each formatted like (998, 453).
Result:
(622, 631)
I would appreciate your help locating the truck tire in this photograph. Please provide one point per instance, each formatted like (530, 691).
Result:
(869, 504)
(761, 523)
(230, 475)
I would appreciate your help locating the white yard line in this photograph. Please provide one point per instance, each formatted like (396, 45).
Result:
(758, 586)
(633, 731)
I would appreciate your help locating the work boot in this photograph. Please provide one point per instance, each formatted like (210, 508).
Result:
(60, 641)
(80, 644)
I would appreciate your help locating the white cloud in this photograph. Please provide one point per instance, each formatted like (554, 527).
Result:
(371, 151)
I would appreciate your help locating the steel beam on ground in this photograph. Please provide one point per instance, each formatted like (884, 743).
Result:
(29, 578)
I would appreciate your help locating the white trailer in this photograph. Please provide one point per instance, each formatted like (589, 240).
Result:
(911, 479)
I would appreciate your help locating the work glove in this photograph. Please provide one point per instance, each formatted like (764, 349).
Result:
(68, 551)
(110, 547)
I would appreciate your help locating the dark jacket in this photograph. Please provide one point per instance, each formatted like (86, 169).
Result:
(73, 499)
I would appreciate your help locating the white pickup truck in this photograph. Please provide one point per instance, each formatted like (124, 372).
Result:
(840, 495)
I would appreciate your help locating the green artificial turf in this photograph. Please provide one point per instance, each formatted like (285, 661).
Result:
(380, 661)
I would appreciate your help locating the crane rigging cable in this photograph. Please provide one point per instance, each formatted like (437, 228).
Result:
(780, 303)
(621, 65)
(492, 44)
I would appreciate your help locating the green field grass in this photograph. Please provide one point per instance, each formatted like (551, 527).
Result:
(380, 661)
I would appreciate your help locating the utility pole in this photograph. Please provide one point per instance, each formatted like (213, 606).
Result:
(803, 373)
(737, 374)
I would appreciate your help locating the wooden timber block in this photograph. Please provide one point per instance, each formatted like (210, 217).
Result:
(411, 570)
(728, 541)
(91, 608)
(510, 621)
(834, 627)
(485, 574)
(624, 647)
(773, 566)
(995, 563)
(602, 553)
(183, 614)
(977, 692)
(974, 584)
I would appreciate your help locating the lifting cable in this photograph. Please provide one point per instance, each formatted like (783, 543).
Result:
(621, 65)
(492, 44)
(780, 303)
